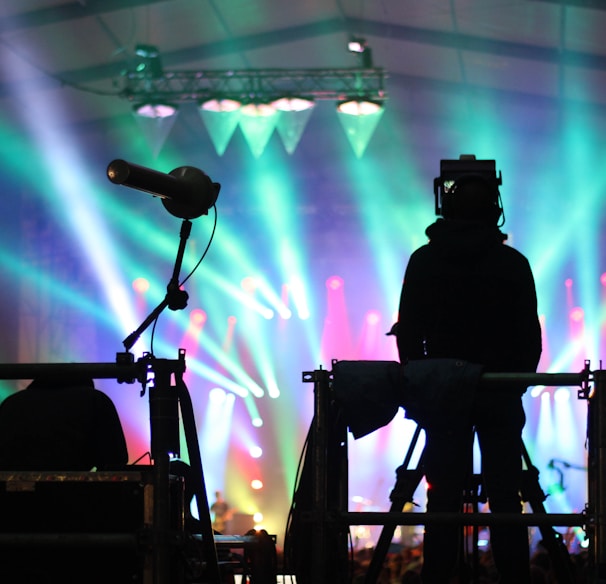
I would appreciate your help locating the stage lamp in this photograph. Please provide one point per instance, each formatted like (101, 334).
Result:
(155, 110)
(359, 107)
(155, 120)
(257, 122)
(293, 104)
(360, 47)
(147, 51)
(150, 61)
(221, 105)
(258, 110)
(294, 114)
(359, 118)
(221, 117)
(356, 45)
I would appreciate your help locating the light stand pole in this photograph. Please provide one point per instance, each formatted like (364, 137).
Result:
(596, 447)
(187, 193)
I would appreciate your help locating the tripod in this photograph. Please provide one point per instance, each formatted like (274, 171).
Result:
(407, 481)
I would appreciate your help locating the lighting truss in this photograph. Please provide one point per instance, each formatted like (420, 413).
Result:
(257, 85)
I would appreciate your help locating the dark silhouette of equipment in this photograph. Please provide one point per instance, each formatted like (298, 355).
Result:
(454, 174)
(186, 192)
(317, 540)
(128, 525)
(407, 482)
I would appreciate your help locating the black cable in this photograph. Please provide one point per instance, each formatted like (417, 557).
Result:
(210, 240)
(288, 534)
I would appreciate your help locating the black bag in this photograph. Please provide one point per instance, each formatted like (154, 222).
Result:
(369, 393)
(439, 392)
(431, 391)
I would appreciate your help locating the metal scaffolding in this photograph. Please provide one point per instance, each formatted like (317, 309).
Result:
(259, 85)
(328, 518)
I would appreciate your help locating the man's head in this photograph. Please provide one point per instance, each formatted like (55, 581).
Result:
(472, 198)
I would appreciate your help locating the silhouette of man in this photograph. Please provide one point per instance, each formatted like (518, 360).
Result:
(61, 424)
(466, 295)
(220, 512)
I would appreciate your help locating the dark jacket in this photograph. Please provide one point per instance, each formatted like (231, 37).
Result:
(467, 295)
(60, 426)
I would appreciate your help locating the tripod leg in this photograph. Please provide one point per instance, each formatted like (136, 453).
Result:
(551, 539)
(407, 481)
(208, 540)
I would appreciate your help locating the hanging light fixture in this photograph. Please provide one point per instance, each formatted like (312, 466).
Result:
(257, 100)
(256, 109)
(359, 118)
(293, 104)
(294, 115)
(221, 117)
(223, 104)
(150, 63)
(359, 107)
(155, 121)
(155, 110)
(257, 122)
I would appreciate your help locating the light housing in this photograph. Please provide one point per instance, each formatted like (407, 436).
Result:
(256, 109)
(155, 110)
(359, 106)
(221, 104)
(150, 63)
(293, 104)
(360, 47)
(356, 45)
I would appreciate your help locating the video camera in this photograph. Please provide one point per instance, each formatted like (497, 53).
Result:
(466, 166)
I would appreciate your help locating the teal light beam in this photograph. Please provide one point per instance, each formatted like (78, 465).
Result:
(82, 216)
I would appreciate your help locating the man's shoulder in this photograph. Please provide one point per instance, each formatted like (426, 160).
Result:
(424, 250)
(512, 253)
(14, 398)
